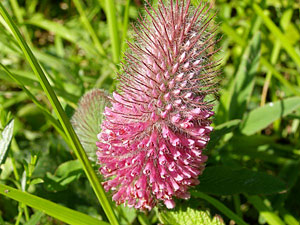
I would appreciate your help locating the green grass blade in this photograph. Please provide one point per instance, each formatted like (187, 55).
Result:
(279, 77)
(52, 209)
(125, 26)
(64, 32)
(88, 26)
(220, 206)
(288, 218)
(245, 78)
(231, 33)
(59, 47)
(31, 6)
(70, 133)
(227, 29)
(113, 29)
(14, 100)
(54, 61)
(45, 111)
(18, 13)
(277, 33)
(35, 218)
(284, 21)
(34, 84)
(265, 212)
(237, 205)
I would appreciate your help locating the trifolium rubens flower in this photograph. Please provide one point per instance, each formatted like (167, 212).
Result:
(150, 146)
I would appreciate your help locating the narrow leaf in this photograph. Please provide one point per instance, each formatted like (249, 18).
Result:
(5, 140)
(34, 84)
(78, 4)
(277, 33)
(261, 117)
(113, 29)
(265, 211)
(280, 78)
(63, 32)
(244, 78)
(44, 110)
(220, 206)
(52, 209)
(125, 26)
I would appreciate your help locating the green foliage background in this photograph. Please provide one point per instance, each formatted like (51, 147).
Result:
(252, 174)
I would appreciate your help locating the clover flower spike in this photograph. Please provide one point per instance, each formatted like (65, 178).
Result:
(150, 146)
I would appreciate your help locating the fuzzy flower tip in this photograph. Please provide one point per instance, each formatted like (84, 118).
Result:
(150, 147)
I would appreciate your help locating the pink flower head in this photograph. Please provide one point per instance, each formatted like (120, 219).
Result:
(153, 135)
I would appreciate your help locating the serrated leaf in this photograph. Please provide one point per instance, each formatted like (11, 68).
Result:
(189, 216)
(223, 180)
(244, 78)
(261, 117)
(220, 130)
(88, 118)
(5, 140)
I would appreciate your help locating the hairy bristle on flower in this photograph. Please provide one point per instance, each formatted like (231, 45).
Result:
(88, 118)
(150, 147)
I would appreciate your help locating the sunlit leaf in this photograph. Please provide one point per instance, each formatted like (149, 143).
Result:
(189, 216)
(52, 209)
(261, 117)
(5, 140)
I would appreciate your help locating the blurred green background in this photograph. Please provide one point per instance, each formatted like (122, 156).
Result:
(80, 45)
